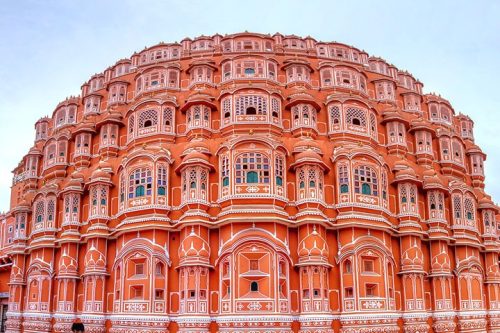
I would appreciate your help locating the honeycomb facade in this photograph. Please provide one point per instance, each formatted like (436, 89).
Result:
(252, 183)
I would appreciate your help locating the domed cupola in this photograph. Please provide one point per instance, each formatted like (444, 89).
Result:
(308, 157)
(412, 258)
(68, 266)
(95, 260)
(198, 108)
(424, 134)
(304, 114)
(407, 183)
(476, 158)
(405, 172)
(307, 143)
(108, 128)
(440, 263)
(75, 183)
(309, 169)
(396, 124)
(194, 249)
(99, 187)
(312, 249)
(31, 168)
(436, 188)
(194, 170)
(83, 144)
(488, 210)
(102, 174)
(432, 181)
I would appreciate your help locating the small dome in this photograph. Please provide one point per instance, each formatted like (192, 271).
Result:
(441, 262)
(76, 180)
(308, 155)
(486, 203)
(307, 144)
(313, 245)
(85, 126)
(104, 165)
(100, 174)
(34, 151)
(194, 249)
(432, 180)
(474, 149)
(406, 172)
(413, 257)
(195, 156)
(197, 145)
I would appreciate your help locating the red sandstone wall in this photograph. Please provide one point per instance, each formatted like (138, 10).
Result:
(381, 254)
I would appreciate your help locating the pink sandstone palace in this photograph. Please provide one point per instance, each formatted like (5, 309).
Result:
(251, 183)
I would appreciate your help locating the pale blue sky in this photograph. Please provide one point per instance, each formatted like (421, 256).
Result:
(49, 48)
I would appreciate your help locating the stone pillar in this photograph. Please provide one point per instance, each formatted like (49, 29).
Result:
(94, 285)
(442, 287)
(314, 270)
(17, 285)
(65, 309)
(412, 273)
(194, 255)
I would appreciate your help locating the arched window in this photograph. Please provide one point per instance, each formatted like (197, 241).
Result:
(50, 210)
(469, 209)
(457, 206)
(161, 180)
(252, 168)
(226, 108)
(347, 267)
(140, 183)
(225, 174)
(139, 191)
(255, 104)
(356, 117)
(148, 118)
(343, 179)
(278, 170)
(254, 286)
(168, 120)
(252, 177)
(334, 118)
(366, 189)
(365, 181)
(39, 211)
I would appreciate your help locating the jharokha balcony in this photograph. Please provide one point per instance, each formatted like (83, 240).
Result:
(251, 183)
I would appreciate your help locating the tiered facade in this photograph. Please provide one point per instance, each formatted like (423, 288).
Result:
(252, 183)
